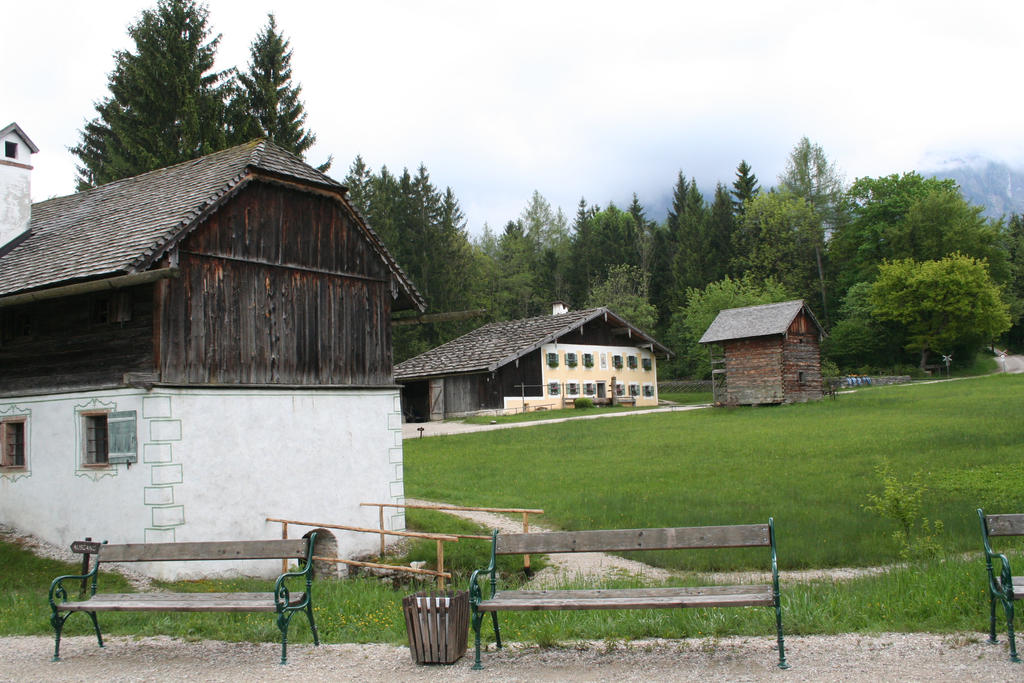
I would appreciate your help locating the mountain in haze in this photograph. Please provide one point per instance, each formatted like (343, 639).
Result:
(994, 185)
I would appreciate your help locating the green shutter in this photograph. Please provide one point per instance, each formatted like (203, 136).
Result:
(121, 432)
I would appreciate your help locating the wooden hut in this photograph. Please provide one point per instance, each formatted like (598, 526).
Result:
(766, 354)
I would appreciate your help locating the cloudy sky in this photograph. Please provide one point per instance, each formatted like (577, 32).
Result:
(576, 99)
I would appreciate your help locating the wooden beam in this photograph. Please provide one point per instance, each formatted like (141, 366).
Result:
(109, 283)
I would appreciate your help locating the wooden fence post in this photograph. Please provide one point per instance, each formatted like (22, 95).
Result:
(284, 535)
(381, 527)
(440, 564)
(526, 530)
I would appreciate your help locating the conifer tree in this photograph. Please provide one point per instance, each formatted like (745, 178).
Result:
(266, 102)
(744, 187)
(166, 102)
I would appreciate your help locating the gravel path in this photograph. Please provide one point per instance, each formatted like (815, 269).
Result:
(882, 657)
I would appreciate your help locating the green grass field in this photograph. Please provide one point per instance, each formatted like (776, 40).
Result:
(811, 466)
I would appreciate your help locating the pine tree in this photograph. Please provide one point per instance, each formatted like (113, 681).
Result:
(744, 187)
(166, 102)
(721, 225)
(266, 103)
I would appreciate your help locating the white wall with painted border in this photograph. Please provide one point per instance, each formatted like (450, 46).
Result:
(212, 465)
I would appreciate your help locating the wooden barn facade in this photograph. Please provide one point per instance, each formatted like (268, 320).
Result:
(172, 343)
(539, 363)
(769, 354)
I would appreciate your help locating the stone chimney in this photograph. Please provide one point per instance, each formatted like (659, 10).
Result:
(559, 307)
(15, 183)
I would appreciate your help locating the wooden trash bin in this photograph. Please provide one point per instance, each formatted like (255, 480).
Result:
(438, 624)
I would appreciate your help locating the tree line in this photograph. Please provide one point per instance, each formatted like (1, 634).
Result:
(899, 269)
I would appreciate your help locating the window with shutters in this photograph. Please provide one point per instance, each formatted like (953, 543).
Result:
(631, 362)
(108, 438)
(12, 436)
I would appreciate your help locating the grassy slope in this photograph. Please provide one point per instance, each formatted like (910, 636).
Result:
(810, 466)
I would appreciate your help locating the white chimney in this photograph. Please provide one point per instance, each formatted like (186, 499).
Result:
(559, 307)
(15, 182)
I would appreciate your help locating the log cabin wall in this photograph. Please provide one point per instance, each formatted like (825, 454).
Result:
(511, 375)
(754, 370)
(801, 371)
(77, 342)
(278, 287)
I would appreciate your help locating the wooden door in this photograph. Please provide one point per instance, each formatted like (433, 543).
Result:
(437, 399)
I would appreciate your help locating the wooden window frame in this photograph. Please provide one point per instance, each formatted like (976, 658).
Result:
(568, 388)
(592, 387)
(647, 364)
(634, 389)
(617, 362)
(556, 386)
(7, 431)
(632, 363)
(88, 418)
(648, 390)
(572, 359)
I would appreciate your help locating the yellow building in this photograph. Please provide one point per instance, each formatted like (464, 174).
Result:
(541, 363)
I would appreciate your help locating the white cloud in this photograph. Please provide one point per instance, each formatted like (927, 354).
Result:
(577, 98)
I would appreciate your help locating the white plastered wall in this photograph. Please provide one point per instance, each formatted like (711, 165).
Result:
(212, 465)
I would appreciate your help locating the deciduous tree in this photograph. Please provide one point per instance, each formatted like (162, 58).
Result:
(943, 304)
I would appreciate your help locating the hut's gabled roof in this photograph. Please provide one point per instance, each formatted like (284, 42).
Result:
(756, 321)
(125, 226)
(496, 344)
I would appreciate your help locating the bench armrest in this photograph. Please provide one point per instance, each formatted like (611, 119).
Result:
(282, 596)
(1005, 573)
(475, 594)
(58, 593)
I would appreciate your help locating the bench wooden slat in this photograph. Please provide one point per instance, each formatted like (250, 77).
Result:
(645, 592)
(617, 540)
(1005, 525)
(732, 596)
(208, 550)
(178, 602)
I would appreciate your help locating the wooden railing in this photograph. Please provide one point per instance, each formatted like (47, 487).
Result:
(440, 574)
(526, 512)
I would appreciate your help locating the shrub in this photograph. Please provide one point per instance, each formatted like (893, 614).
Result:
(583, 403)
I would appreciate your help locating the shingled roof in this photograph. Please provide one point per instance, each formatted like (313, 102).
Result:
(489, 347)
(755, 321)
(123, 227)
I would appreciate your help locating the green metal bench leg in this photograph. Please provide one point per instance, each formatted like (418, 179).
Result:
(992, 619)
(497, 631)
(283, 620)
(1008, 606)
(58, 627)
(477, 619)
(778, 626)
(312, 625)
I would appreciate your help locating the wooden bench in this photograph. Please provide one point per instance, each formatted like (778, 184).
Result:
(1002, 586)
(281, 601)
(620, 540)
